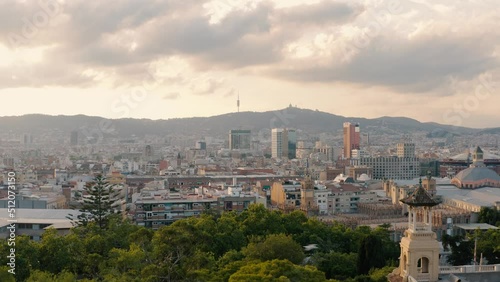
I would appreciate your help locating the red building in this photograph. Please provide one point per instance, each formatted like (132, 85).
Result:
(351, 138)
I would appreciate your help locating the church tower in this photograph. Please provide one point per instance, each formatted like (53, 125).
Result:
(419, 247)
(429, 184)
(307, 204)
(478, 158)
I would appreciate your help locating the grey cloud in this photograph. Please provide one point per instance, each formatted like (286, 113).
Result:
(406, 65)
(243, 39)
(325, 12)
(206, 87)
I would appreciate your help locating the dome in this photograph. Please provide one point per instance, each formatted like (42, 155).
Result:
(364, 177)
(475, 177)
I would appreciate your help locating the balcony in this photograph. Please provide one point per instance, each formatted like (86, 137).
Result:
(421, 277)
(469, 268)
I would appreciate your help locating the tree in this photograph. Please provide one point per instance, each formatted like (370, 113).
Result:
(97, 204)
(277, 271)
(5, 276)
(488, 244)
(489, 215)
(370, 254)
(275, 247)
(58, 253)
(64, 276)
(461, 250)
(380, 274)
(257, 220)
(336, 265)
(27, 256)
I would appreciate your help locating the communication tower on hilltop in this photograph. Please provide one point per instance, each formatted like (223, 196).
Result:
(238, 102)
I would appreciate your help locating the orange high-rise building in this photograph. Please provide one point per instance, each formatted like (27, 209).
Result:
(351, 138)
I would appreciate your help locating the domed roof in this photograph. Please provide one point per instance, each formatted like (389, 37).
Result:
(364, 177)
(477, 173)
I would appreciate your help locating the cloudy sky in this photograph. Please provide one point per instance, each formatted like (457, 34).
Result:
(429, 60)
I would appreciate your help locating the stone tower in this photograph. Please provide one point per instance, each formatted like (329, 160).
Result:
(478, 155)
(419, 247)
(429, 184)
(307, 204)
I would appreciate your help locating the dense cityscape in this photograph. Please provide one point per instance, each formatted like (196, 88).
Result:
(353, 178)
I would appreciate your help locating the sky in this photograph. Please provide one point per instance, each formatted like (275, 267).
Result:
(429, 60)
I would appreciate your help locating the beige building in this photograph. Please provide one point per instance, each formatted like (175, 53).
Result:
(323, 200)
(419, 257)
(477, 175)
(286, 195)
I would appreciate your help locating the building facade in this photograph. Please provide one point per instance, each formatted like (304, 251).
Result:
(279, 143)
(351, 138)
(391, 167)
(240, 139)
(155, 209)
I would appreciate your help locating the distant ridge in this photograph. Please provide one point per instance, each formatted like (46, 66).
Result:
(303, 119)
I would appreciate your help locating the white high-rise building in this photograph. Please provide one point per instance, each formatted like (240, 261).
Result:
(279, 143)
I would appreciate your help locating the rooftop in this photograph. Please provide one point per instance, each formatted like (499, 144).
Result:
(420, 197)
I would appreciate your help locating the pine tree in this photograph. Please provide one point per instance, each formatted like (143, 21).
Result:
(97, 205)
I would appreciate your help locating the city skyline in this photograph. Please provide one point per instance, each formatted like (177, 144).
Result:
(419, 59)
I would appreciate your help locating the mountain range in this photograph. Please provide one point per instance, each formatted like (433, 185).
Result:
(309, 121)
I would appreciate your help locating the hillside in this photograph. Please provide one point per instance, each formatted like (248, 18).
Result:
(307, 120)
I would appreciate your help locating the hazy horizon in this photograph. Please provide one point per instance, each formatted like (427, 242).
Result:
(282, 111)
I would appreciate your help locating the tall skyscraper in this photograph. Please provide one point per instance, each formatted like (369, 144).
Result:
(351, 138)
(240, 139)
(284, 143)
(279, 143)
(292, 143)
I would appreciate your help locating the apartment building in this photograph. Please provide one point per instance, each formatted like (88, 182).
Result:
(329, 199)
(391, 167)
(154, 209)
(344, 198)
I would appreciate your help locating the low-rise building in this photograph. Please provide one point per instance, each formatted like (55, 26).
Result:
(34, 222)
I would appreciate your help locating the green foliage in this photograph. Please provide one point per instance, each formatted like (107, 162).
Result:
(277, 271)
(38, 276)
(255, 245)
(461, 249)
(97, 205)
(336, 265)
(371, 254)
(5, 276)
(380, 275)
(273, 247)
(488, 244)
(257, 220)
(490, 216)
(27, 256)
